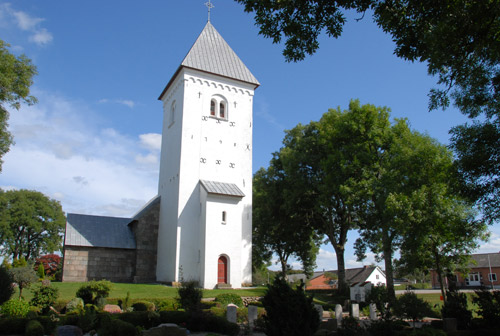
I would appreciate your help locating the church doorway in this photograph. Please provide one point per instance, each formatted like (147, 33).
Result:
(222, 270)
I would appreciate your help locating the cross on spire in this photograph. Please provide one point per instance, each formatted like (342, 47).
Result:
(209, 5)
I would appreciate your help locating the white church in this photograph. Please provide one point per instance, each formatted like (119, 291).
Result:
(199, 226)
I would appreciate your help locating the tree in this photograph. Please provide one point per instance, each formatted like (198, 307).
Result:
(23, 277)
(331, 160)
(278, 227)
(457, 39)
(6, 289)
(50, 263)
(30, 224)
(15, 81)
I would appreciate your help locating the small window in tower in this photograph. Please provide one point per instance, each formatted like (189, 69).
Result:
(212, 108)
(172, 113)
(222, 110)
(224, 215)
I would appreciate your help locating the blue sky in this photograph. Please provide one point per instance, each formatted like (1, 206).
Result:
(93, 140)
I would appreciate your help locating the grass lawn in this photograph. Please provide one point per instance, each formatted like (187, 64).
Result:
(67, 291)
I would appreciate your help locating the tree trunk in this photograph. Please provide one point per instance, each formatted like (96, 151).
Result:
(389, 271)
(342, 283)
(439, 273)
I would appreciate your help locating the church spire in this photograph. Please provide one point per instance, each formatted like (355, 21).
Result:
(209, 5)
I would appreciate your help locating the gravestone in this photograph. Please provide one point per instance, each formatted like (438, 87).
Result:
(231, 312)
(338, 314)
(373, 311)
(165, 329)
(252, 315)
(355, 310)
(319, 308)
(69, 330)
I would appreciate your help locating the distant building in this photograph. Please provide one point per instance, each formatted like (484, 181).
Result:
(354, 276)
(484, 270)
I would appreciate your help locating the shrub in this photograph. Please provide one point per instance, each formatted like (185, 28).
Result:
(6, 288)
(190, 296)
(87, 319)
(350, 327)
(489, 306)
(202, 321)
(23, 276)
(456, 307)
(228, 298)
(177, 317)
(125, 304)
(49, 323)
(34, 328)
(144, 319)
(143, 306)
(15, 308)
(386, 327)
(117, 328)
(44, 297)
(75, 305)
(167, 304)
(288, 311)
(379, 295)
(411, 307)
(93, 290)
(13, 325)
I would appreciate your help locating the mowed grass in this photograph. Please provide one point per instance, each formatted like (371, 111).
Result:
(67, 291)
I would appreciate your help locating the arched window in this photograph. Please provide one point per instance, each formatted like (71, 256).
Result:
(218, 107)
(172, 113)
(222, 110)
(212, 108)
(224, 217)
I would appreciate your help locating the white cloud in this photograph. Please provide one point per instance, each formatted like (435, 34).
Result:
(61, 152)
(151, 141)
(126, 102)
(25, 22)
(41, 37)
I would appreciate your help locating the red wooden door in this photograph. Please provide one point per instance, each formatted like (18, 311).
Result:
(222, 270)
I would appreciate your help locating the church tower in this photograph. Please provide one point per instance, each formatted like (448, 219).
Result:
(205, 229)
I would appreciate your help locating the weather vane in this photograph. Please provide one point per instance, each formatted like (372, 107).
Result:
(209, 5)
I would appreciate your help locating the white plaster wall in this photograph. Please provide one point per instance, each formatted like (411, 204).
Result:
(373, 277)
(210, 149)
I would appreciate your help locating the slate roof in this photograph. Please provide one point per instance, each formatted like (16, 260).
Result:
(146, 207)
(211, 53)
(98, 231)
(481, 260)
(221, 188)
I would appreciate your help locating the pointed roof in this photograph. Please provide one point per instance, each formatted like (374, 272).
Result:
(211, 53)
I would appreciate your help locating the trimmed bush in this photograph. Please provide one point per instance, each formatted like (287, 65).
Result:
(15, 308)
(167, 304)
(13, 325)
(456, 307)
(289, 311)
(228, 298)
(190, 296)
(44, 297)
(118, 328)
(75, 305)
(6, 289)
(143, 306)
(202, 321)
(386, 327)
(34, 328)
(177, 317)
(144, 319)
(350, 327)
(412, 307)
(93, 290)
(489, 307)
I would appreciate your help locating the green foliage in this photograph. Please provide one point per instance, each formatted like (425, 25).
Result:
(350, 327)
(386, 327)
(116, 327)
(166, 304)
(288, 312)
(13, 325)
(91, 291)
(15, 308)
(40, 272)
(378, 295)
(143, 306)
(21, 262)
(177, 317)
(144, 319)
(87, 320)
(190, 296)
(489, 306)
(75, 305)
(44, 297)
(125, 303)
(202, 321)
(31, 223)
(34, 328)
(411, 307)
(23, 277)
(15, 81)
(6, 282)
(456, 307)
(227, 298)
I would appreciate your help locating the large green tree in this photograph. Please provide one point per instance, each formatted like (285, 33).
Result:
(457, 39)
(278, 226)
(30, 224)
(331, 160)
(16, 77)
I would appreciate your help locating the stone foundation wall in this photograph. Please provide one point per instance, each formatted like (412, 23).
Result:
(145, 229)
(97, 263)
